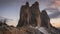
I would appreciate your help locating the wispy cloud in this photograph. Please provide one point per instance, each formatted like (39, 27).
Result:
(55, 15)
(55, 4)
(54, 7)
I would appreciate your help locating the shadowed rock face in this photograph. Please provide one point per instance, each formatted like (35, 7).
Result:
(45, 19)
(30, 15)
(35, 19)
(24, 15)
(46, 23)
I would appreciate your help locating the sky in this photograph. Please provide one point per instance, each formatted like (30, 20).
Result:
(10, 9)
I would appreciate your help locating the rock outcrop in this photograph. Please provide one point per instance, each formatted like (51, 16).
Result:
(22, 30)
(24, 15)
(30, 15)
(45, 19)
(31, 21)
(35, 18)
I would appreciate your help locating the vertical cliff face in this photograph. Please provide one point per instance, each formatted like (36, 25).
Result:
(24, 15)
(33, 16)
(30, 15)
(45, 19)
(35, 19)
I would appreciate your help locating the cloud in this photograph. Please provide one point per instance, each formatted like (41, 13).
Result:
(13, 22)
(54, 4)
(57, 3)
(55, 15)
(55, 22)
(54, 12)
(54, 8)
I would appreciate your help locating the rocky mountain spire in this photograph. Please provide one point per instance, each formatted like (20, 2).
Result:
(30, 15)
(24, 15)
(45, 19)
(35, 19)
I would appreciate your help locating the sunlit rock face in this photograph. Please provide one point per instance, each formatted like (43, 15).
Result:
(24, 15)
(35, 19)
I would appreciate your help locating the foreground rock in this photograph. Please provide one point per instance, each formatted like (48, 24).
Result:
(21, 30)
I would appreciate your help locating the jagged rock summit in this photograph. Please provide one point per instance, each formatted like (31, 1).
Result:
(31, 21)
(45, 19)
(35, 18)
(30, 15)
(24, 15)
